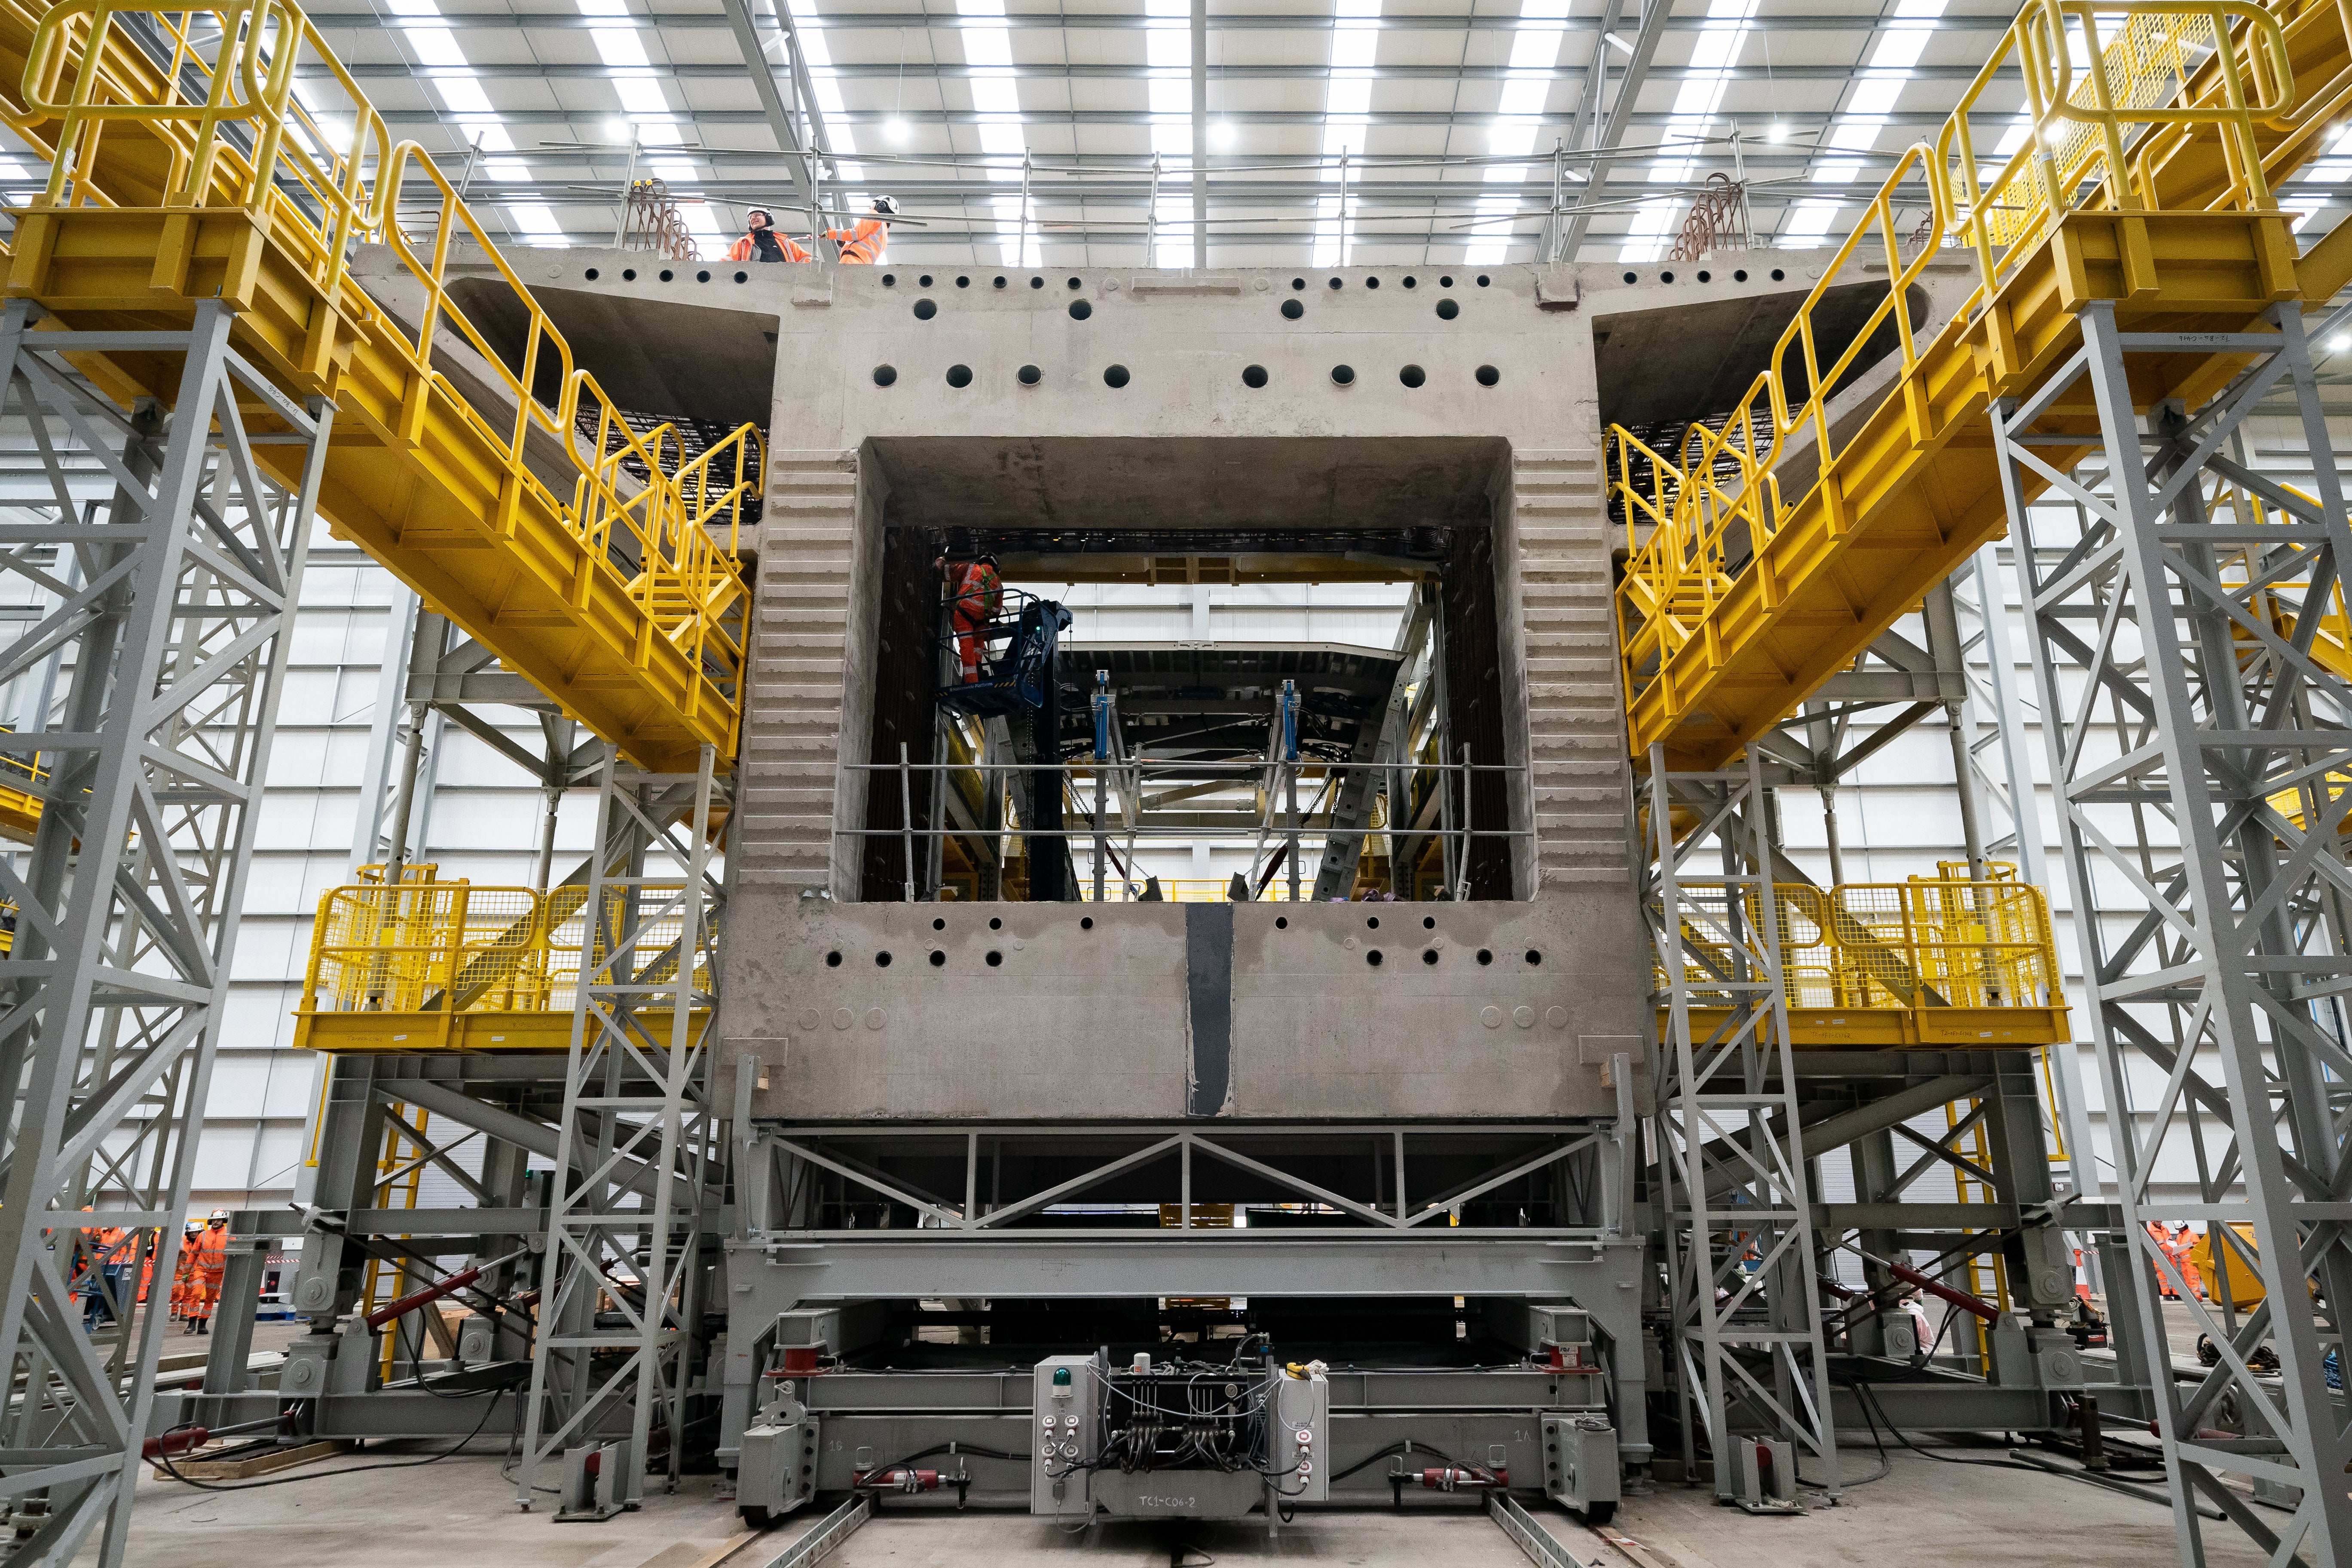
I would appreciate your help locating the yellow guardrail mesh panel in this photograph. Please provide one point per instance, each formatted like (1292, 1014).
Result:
(454, 947)
(1920, 945)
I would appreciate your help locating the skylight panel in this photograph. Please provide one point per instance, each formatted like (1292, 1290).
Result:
(1346, 108)
(1518, 119)
(1698, 98)
(1168, 45)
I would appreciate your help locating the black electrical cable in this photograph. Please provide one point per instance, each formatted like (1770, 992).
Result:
(416, 1359)
(1869, 1397)
(1404, 1446)
(322, 1475)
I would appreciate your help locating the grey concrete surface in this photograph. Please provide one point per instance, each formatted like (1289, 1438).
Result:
(461, 1511)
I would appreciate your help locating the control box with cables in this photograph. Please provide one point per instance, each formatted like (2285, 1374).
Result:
(1199, 1439)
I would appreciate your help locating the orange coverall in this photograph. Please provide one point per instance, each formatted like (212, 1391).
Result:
(210, 1246)
(978, 597)
(865, 243)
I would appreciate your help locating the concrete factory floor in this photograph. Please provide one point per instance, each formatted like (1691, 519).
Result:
(460, 1511)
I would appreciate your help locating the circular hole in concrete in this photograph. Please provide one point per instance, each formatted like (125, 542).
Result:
(1080, 310)
(629, 275)
(926, 309)
(1429, 922)
(1666, 277)
(1482, 280)
(1282, 923)
(1412, 375)
(833, 960)
(1411, 281)
(1373, 958)
(1706, 276)
(1000, 280)
(1429, 955)
(742, 278)
(1036, 282)
(882, 961)
(592, 275)
(1372, 923)
(1115, 376)
(884, 375)
(995, 924)
(1075, 282)
(964, 282)
(1534, 956)
(1343, 375)
(1087, 923)
(925, 280)
(1372, 283)
(1298, 283)
(939, 925)
(666, 275)
(994, 958)
(1448, 309)
(1335, 283)
(1778, 276)
(1292, 310)
(1632, 277)
(1485, 956)
(939, 958)
(890, 279)
(1446, 281)
(959, 375)
(1488, 375)
(1029, 375)
(1740, 276)
(702, 276)
(1253, 375)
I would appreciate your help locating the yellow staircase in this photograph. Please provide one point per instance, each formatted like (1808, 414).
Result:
(184, 167)
(1738, 600)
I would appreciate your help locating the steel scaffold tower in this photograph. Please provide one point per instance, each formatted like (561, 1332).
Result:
(2181, 607)
(1731, 1169)
(171, 608)
(638, 1166)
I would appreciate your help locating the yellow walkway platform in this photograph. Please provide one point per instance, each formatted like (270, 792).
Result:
(622, 601)
(1926, 963)
(432, 966)
(1739, 599)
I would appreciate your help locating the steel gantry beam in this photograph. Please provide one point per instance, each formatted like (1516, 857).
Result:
(171, 606)
(1746, 1346)
(628, 1259)
(2187, 656)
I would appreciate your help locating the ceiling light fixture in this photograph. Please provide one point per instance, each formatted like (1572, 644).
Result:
(897, 131)
(1779, 132)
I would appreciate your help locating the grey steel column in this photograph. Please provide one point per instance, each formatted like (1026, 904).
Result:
(1731, 1179)
(635, 1170)
(126, 917)
(2183, 628)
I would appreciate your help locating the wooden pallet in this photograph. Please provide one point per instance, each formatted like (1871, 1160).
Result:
(239, 1461)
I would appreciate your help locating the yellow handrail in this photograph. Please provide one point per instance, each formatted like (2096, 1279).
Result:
(1922, 944)
(455, 947)
(1705, 531)
(317, 195)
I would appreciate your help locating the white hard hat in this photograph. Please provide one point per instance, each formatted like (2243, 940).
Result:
(220, 1214)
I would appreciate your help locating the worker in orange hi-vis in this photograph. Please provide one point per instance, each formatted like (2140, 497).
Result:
(762, 243)
(2184, 1254)
(975, 596)
(211, 1247)
(183, 1271)
(866, 242)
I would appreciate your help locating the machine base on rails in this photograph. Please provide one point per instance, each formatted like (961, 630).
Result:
(1580, 1465)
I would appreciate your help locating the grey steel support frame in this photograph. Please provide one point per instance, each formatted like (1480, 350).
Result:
(2198, 750)
(637, 1158)
(175, 627)
(1746, 1343)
